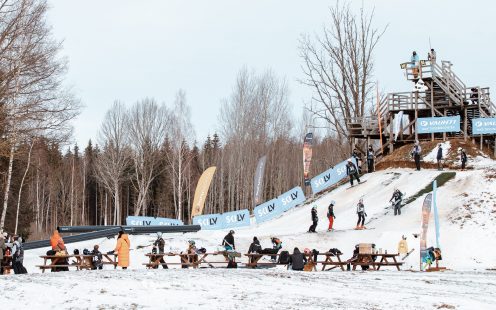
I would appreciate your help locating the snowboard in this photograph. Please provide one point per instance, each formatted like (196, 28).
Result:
(355, 185)
(407, 254)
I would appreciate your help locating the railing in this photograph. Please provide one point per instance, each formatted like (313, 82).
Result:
(449, 82)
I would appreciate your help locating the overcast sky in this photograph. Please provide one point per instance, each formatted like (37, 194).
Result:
(129, 50)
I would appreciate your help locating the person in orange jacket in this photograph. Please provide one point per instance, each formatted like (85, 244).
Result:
(57, 242)
(122, 250)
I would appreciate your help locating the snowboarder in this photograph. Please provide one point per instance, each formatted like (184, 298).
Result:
(352, 171)
(416, 151)
(122, 248)
(18, 256)
(297, 260)
(370, 159)
(439, 157)
(330, 215)
(315, 220)
(402, 246)
(463, 157)
(361, 215)
(396, 201)
(160, 244)
(228, 241)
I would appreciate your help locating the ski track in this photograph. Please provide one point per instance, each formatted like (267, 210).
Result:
(245, 288)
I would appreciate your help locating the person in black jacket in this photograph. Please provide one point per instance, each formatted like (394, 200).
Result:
(315, 220)
(463, 157)
(352, 171)
(439, 157)
(330, 214)
(297, 260)
(396, 201)
(370, 159)
(255, 246)
(228, 241)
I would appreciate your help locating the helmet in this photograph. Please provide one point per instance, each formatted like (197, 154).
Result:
(460, 149)
(314, 207)
(231, 231)
(361, 200)
(159, 234)
(349, 160)
(192, 242)
(333, 202)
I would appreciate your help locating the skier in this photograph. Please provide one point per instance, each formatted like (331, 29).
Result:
(396, 201)
(463, 157)
(18, 256)
(439, 157)
(315, 220)
(228, 241)
(361, 215)
(122, 248)
(352, 171)
(297, 260)
(330, 215)
(370, 159)
(160, 244)
(416, 151)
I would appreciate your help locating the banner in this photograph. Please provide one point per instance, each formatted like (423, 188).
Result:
(258, 181)
(329, 177)
(436, 216)
(483, 126)
(239, 218)
(211, 221)
(398, 124)
(151, 221)
(307, 157)
(291, 199)
(438, 124)
(267, 210)
(202, 191)
(426, 212)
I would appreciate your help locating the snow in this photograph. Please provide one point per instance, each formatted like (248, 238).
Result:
(467, 209)
(432, 155)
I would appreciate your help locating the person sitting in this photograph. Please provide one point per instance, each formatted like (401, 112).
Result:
(297, 260)
(276, 246)
(255, 246)
(57, 243)
(97, 258)
(191, 252)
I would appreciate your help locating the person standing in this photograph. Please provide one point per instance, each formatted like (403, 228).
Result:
(370, 159)
(3, 247)
(352, 171)
(431, 56)
(18, 256)
(228, 241)
(122, 248)
(463, 157)
(439, 157)
(330, 215)
(160, 244)
(414, 62)
(396, 201)
(416, 151)
(361, 215)
(315, 220)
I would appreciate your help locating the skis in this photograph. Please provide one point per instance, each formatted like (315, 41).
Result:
(407, 254)
(358, 183)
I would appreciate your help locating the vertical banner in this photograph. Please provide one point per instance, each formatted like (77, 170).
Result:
(307, 157)
(258, 181)
(426, 212)
(211, 221)
(398, 120)
(233, 219)
(436, 216)
(202, 191)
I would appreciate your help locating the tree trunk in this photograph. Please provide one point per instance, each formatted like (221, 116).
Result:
(7, 186)
(20, 188)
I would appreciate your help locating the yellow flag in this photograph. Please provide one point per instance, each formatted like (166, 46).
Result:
(202, 191)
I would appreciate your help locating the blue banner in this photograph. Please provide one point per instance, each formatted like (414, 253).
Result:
(236, 219)
(329, 177)
(152, 221)
(211, 221)
(483, 126)
(267, 210)
(438, 124)
(291, 199)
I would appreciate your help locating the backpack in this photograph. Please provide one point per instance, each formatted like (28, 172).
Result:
(335, 251)
(232, 264)
(284, 258)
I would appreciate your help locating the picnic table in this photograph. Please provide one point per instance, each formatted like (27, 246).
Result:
(330, 262)
(187, 260)
(81, 261)
(254, 260)
(368, 260)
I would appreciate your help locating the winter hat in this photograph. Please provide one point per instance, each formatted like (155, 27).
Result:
(333, 202)
(191, 242)
(159, 234)
(231, 231)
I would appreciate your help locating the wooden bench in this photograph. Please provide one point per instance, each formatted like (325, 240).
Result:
(254, 260)
(330, 262)
(185, 259)
(81, 261)
(367, 260)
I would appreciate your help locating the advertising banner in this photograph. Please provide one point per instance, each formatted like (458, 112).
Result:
(438, 124)
(151, 221)
(483, 126)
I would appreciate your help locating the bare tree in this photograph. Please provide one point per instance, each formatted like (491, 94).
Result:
(112, 162)
(339, 64)
(148, 125)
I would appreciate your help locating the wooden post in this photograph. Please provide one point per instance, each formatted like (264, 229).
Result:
(481, 142)
(416, 115)
(432, 105)
(444, 133)
(465, 124)
(391, 134)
